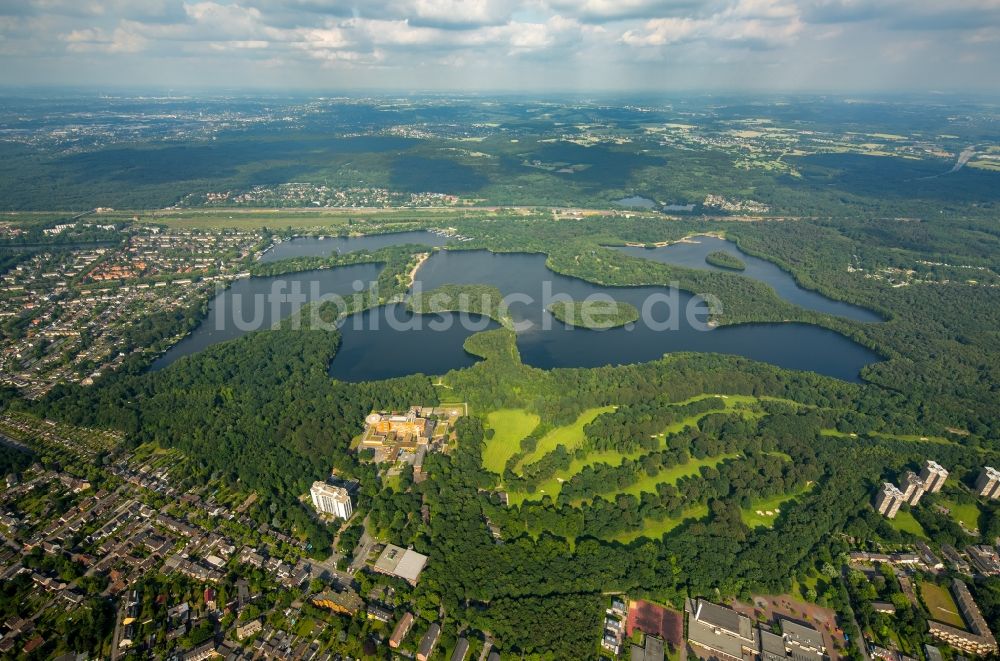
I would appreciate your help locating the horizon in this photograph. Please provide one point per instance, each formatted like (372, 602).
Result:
(210, 92)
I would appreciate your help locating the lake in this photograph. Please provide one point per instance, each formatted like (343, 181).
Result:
(636, 202)
(375, 347)
(692, 253)
(313, 246)
(548, 343)
(246, 306)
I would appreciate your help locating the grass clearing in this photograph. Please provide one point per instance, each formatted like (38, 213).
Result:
(940, 605)
(904, 522)
(656, 529)
(763, 513)
(670, 476)
(391, 482)
(509, 427)
(965, 513)
(909, 438)
(552, 486)
(570, 435)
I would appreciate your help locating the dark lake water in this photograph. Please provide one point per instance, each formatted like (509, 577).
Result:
(247, 305)
(389, 341)
(373, 348)
(692, 255)
(311, 246)
(547, 343)
(636, 202)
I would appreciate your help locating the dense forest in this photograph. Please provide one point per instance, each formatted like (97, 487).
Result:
(261, 410)
(725, 260)
(261, 414)
(596, 314)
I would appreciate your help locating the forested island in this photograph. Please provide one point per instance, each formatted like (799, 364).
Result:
(725, 260)
(594, 314)
(473, 299)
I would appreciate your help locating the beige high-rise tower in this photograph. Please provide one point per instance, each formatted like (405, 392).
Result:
(988, 484)
(913, 488)
(888, 500)
(933, 475)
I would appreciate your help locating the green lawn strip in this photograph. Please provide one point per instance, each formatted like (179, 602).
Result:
(904, 522)
(509, 426)
(910, 438)
(656, 529)
(773, 504)
(669, 476)
(571, 435)
(940, 605)
(553, 485)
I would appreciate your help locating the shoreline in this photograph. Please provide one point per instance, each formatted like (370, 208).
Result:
(690, 238)
(423, 257)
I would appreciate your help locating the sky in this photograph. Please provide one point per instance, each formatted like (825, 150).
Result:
(505, 45)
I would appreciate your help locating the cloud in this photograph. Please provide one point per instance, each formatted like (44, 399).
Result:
(431, 13)
(906, 14)
(617, 10)
(583, 42)
(751, 23)
(146, 10)
(95, 40)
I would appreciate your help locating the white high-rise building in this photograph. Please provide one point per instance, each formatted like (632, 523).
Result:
(331, 500)
(933, 476)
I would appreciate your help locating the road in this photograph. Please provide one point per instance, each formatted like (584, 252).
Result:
(362, 550)
(117, 636)
(860, 643)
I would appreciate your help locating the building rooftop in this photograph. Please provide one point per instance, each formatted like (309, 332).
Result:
(890, 489)
(348, 602)
(402, 628)
(719, 616)
(720, 629)
(802, 635)
(772, 646)
(461, 650)
(429, 640)
(654, 649)
(404, 563)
